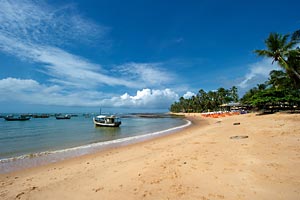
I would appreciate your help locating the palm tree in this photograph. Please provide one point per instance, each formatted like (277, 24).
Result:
(279, 80)
(234, 93)
(296, 36)
(283, 51)
(202, 99)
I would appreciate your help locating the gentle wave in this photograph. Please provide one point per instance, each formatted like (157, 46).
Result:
(35, 159)
(19, 136)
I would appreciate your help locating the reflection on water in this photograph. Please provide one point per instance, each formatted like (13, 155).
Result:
(108, 133)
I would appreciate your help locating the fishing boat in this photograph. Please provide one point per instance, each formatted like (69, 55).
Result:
(107, 121)
(19, 118)
(63, 117)
(40, 116)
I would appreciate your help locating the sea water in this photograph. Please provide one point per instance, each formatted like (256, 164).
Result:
(44, 140)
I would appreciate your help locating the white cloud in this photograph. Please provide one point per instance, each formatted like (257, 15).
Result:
(36, 32)
(30, 91)
(37, 22)
(259, 72)
(147, 98)
(27, 90)
(188, 95)
(75, 71)
(147, 74)
(30, 29)
(13, 84)
(63, 67)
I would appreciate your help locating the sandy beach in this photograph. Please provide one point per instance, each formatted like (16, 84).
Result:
(259, 158)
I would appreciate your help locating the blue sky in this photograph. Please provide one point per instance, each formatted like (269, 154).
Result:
(80, 55)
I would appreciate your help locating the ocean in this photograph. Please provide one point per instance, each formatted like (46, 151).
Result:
(40, 141)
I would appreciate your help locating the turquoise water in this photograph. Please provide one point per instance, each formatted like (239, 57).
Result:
(48, 140)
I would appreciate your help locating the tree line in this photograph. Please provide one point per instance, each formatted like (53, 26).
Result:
(206, 101)
(281, 91)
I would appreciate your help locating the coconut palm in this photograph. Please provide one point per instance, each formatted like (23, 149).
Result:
(283, 50)
(234, 94)
(296, 36)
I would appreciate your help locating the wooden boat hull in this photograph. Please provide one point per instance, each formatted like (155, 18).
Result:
(63, 117)
(115, 124)
(17, 119)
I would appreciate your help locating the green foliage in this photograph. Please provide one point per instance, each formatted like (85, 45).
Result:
(205, 101)
(281, 91)
(283, 49)
(296, 36)
(277, 93)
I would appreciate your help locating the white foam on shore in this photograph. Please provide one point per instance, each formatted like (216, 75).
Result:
(41, 158)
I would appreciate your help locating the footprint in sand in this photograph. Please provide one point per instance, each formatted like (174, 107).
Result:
(98, 189)
(19, 195)
(237, 137)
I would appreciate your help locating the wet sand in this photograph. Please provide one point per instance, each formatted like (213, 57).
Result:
(259, 158)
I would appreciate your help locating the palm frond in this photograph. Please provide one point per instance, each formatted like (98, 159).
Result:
(283, 51)
(277, 42)
(296, 36)
(264, 53)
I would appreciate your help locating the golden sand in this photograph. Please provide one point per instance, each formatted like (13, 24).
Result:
(259, 158)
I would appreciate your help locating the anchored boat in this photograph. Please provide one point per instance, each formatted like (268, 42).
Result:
(19, 118)
(107, 121)
(63, 117)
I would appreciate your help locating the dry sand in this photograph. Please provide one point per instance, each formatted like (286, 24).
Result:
(200, 162)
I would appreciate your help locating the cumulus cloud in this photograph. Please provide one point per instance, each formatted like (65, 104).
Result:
(258, 73)
(147, 98)
(188, 95)
(13, 84)
(27, 90)
(30, 91)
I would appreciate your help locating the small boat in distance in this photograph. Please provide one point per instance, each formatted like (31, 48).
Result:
(19, 118)
(40, 116)
(107, 121)
(63, 117)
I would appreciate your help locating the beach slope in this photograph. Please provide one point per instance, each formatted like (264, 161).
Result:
(257, 158)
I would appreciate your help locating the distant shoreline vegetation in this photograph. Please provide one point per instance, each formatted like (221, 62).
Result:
(206, 101)
(280, 92)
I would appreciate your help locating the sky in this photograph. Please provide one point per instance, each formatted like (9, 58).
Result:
(135, 55)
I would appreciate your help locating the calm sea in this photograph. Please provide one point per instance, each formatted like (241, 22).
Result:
(44, 140)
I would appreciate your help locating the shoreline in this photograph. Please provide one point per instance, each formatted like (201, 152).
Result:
(202, 161)
(18, 163)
